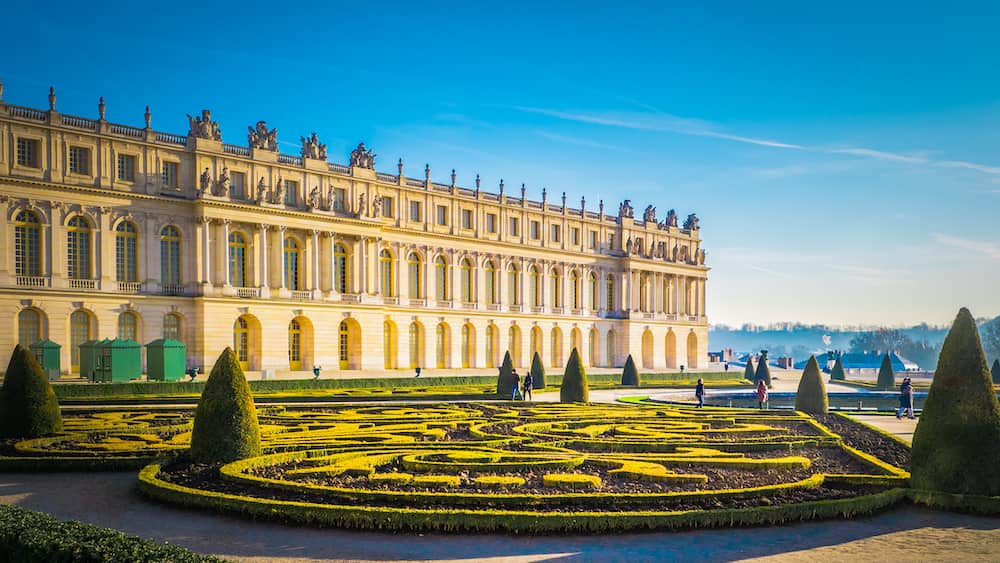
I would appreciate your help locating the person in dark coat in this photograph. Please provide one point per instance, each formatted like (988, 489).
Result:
(699, 392)
(529, 383)
(905, 398)
(515, 392)
(761, 394)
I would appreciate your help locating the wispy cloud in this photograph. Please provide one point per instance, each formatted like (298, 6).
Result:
(568, 139)
(969, 165)
(990, 250)
(871, 275)
(880, 155)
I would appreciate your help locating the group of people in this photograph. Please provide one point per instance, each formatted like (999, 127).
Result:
(519, 392)
(905, 399)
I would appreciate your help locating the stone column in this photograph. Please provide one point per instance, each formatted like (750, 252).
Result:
(204, 233)
(627, 290)
(279, 250)
(314, 261)
(654, 293)
(262, 260)
(328, 269)
(152, 262)
(362, 266)
(222, 245)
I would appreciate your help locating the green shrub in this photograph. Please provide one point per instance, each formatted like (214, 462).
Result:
(630, 375)
(748, 373)
(837, 373)
(957, 441)
(811, 396)
(225, 423)
(505, 381)
(996, 372)
(574, 387)
(886, 377)
(537, 372)
(28, 406)
(763, 372)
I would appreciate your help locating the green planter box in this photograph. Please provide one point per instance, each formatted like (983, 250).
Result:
(165, 360)
(47, 354)
(89, 357)
(121, 360)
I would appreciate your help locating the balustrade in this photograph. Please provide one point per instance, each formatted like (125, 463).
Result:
(129, 287)
(75, 283)
(33, 281)
(173, 289)
(247, 292)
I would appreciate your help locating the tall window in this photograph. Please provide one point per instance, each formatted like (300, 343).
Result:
(291, 192)
(388, 345)
(610, 288)
(79, 160)
(343, 335)
(594, 291)
(441, 345)
(237, 183)
(513, 285)
(79, 332)
(415, 345)
(171, 326)
(415, 271)
(294, 346)
(237, 260)
(385, 270)
(292, 264)
(535, 287)
(170, 175)
(491, 283)
(170, 256)
(574, 289)
(241, 341)
(29, 327)
(126, 167)
(491, 334)
(78, 248)
(466, 280)
(441, 278)
(27, 152)
(467, 342)
(556, 280)
(514, 344)
(126, 252)
(27, 244)
(340, 267)
(127, 327)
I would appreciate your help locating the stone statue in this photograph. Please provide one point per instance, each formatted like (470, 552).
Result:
(691, 223)
(278, 192)
(313, 201)
(376, 206)
(628, 246)
(362, 204)
(261, 190)
(683, 254)
(363, 158)
(203, 127)
(649, 215)
(204, 183)
(625, 209)
(312, 148)
(329, 198)
(701, 256)
(673, 256)
(224, 182)
(262, 138)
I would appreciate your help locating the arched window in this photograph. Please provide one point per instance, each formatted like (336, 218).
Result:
(79, 332)
(343, 339)
(536, 342)
(491, 334)
(466, 281)
(441, 278)
(27, 244)
(535, 287)
(237, 260)
(610, 288)
(29, 327)
(78, 248)
(514, 344)
(514, 285)
(170, 256)
(294, 346)
(556, 280)
(611, 348)
(293, 263)
(556, 350)
(340, 271)
(415, 271)
(388, 277)
(241, 341)
(388, 345)
(126, 252)
(468, 342)
(491, 283)
(574, 290)
(128, 326)
(416, 345)
(595, 292)
(441, 345)
(171, 326)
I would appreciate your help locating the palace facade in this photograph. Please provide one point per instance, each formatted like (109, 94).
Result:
(118, 231)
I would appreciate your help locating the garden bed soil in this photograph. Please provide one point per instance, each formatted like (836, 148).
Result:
(863, 438)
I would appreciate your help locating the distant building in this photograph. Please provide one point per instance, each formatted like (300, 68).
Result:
(869, 362)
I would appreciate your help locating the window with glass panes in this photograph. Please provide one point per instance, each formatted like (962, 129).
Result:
(79, 160)
(491, 283)
(127, 327)
(292, 269)
(170, 175)
(339, 197)
(27, 152)
(78, 248)
(237, 185)
(491, 223)
(513, 285)
(466, 346)
(29, 327)
(466, 218)
(514, 226)
(442, 215)
(441, 278)
(79, 332)
(594, 292)
(535, 287)
(533, 230)
(555, 233)
(556, 281)
(415, 211)
(415, 274)
(466, 281)
(340, 267)
(27, 244)
(388, 206)
(237, 260)
(593, 240)
(385, 268)
(126, 167)
(610, 288)
(171, 326)
(415, 345)
(170, 255)
(574, 283)
(291, 192)
(126, 252)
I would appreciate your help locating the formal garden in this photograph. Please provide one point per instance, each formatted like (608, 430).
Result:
(466, 459)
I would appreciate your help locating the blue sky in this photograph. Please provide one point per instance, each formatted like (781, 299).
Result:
(843, 156)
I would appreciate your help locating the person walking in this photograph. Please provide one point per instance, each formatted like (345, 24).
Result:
(699, 392)
(515, 392)
(761, 394)
(529, 384)
(905, 399)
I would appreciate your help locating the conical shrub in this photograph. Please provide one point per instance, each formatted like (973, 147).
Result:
(574, 384)
(957, 441)
(996, 372)
(811, 396)
(886, 377)
(748, 373)
(225, 423)
(763, 372)
(630, 375)
(28, 405)
(505, 381)
(537, 372)
(837, 373)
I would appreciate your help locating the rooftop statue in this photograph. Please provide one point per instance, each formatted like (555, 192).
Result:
(224, 182)
(312, 148)
(691, 223)
(376, 206)
(278, 193)
(671, 220)
(649, 215)
(261, 190)
(625, 209)
(313, 201)
(203, 127)
(204, 183)
(261, 138)
(362, 204)
(363, 158)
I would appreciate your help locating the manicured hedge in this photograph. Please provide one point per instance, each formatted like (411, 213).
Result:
(225, 424)
(28, 536)
(811, 395)
(28, 407)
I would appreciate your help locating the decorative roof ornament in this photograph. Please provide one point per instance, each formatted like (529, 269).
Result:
(453, 177)
(625, 209)
(52, 98)
(362, 157)
(203, 127)
(312, 148)
(691, 223)
(427, 173)
(148, 116)
(101, 108)
(649, 215)
(400, 167)
(259, 137)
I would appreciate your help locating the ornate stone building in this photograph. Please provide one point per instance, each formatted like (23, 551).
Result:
(111, 230)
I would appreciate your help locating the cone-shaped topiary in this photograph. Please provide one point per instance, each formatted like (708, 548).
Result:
(537, 372)
(505, 381)
(763, 372)
(574, 384)
(996, 372)
(748, 373)
(811, 395)
(630, 375)
(837, 373)
(957, 441)
(28, 405)
(225, 423)
(886, 377)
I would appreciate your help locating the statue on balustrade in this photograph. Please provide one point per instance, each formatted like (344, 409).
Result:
(312, 148)
(628, 246)
(376, 206)
(204, 183)
(701, 257)
(224, 182)
(625, 209)
(203, 127)
(649, 215)
(674, 253)
(670, 221)
(278, 193)
(261, 191)
(682, 256)
(329, 198)
(262, 138)
(313, 201)
(362, 204)
(363, 158)
(691, 223)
